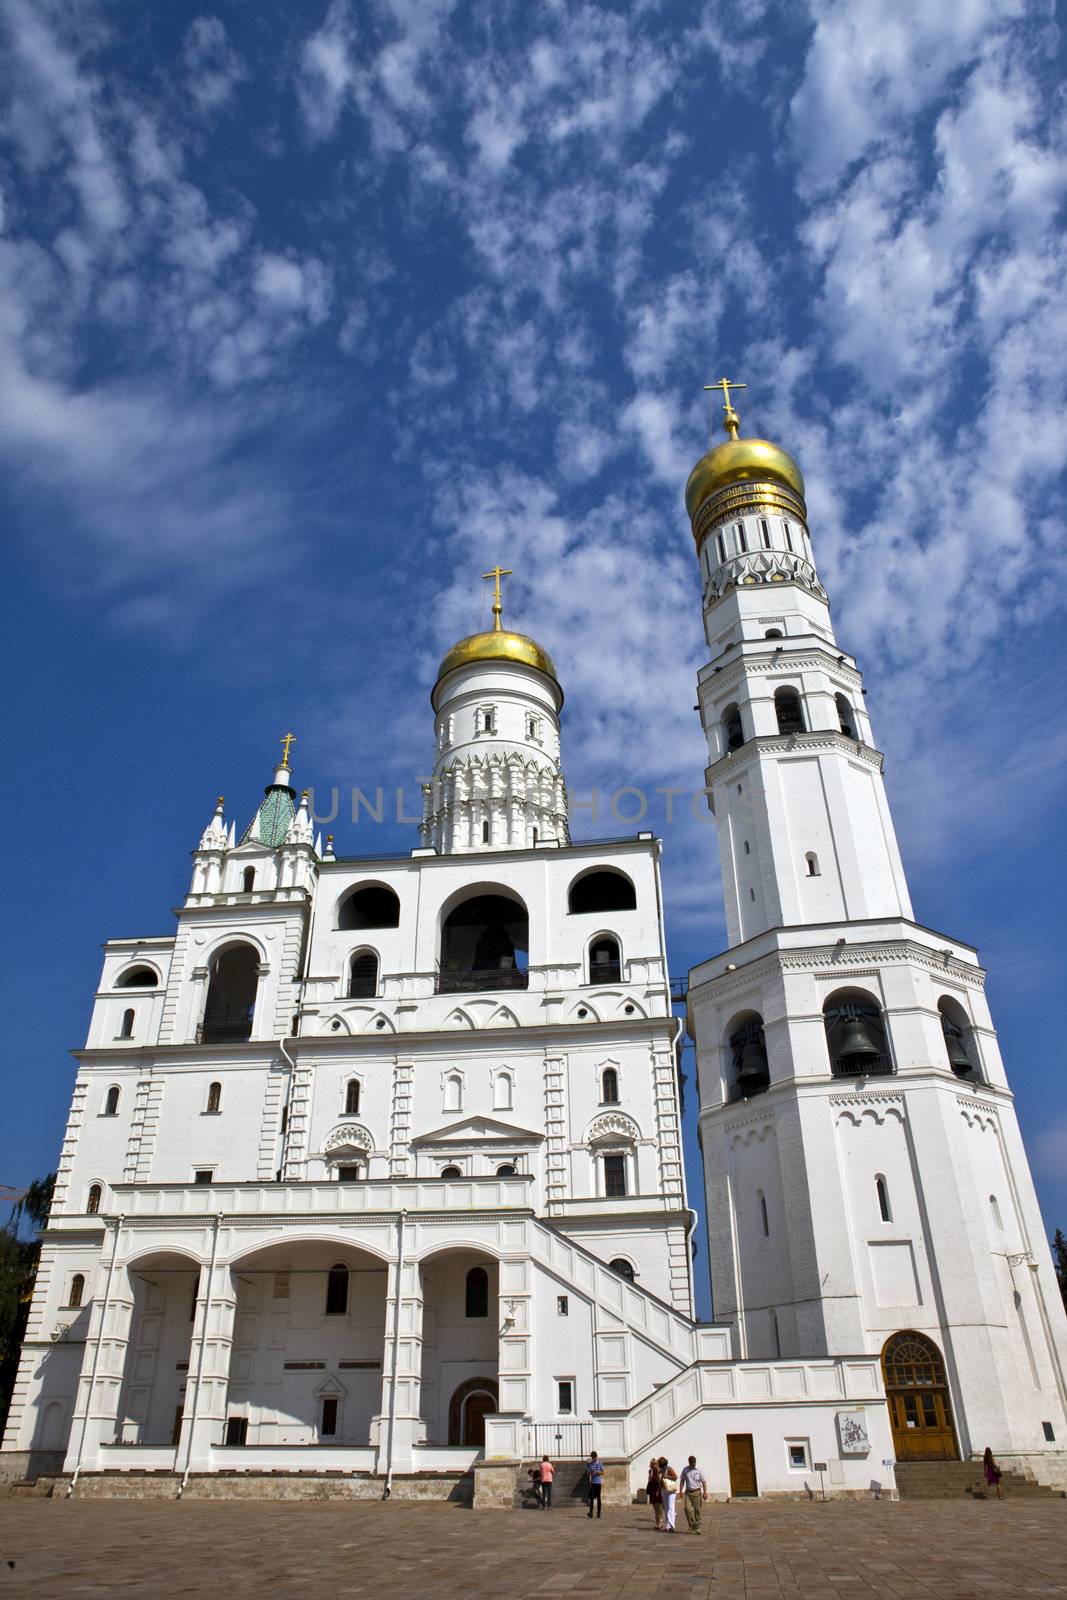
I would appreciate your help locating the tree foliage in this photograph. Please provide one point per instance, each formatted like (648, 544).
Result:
(1059, 1256)
(18, 1268)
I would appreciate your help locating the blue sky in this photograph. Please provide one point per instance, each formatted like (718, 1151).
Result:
(309, 314)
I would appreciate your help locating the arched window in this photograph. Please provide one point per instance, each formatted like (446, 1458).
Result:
(363, 975)
(605, 962)
(138, 978)
(788, 710)
(453, 1092)
(214, 1099)
(750, 1071)
(609, 1087)
(337, 1290)
(623, 1268)
(882, 1192)
(77, 1290)
(502, 1091)
(614, 1175)
(126, 1031)
(231, 996)
(958, 1035)
(373, 906)
(92, 1203)
(485, 944)
(998, 1220)
(111, 1102)
(451, 1172)
(855, 1035)
(765, 1225)
(845, 719)
(352, 1098)
(248, 880)
(477, 1297)
(812, 862)
(507, 1170)
(603, 889)
(774, 633)
(732, 730)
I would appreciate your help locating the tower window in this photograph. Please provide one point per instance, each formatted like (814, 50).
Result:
(352, 1098)
(883, 1199)
(845, 720)
(788, 710)
(363, 975)
(998, 1220)
(203, 1175)
(126, 1031)
(855, 1036)
(623, 1268)
(77, 1291)
(609, 1087)
(742, 542)
(92, 1204)
(788, 537)
(349, 1172)
(605, 962)
(485, 833)
(960, 1047)
(721, 547)
(614, 1176)
(507, 1169)
(451, 1172)
(214, 1099)
(249, 879)
(774, 633)
(111, 1103)
(477, 1295)
(733, 731)
(337, 1291)
(748, 852)
(764, 1220)
(812, 861)
(328, 1424)
(765, 533)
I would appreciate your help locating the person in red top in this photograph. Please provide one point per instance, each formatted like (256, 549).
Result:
(548, 1472)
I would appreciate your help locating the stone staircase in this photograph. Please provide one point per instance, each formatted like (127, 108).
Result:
(568, 1486)
(948, 1480)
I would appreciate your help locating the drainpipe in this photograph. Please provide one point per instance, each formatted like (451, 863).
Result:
(387, 1491)
(200, 1356)
(288, 1102)
(72, 1485)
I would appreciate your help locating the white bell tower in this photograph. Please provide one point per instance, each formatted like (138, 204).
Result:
(867, 1187)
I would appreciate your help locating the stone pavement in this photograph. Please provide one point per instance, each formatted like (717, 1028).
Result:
(966, 1550)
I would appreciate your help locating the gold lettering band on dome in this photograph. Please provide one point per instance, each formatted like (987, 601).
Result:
(741, 497)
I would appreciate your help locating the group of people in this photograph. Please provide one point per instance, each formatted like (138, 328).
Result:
(663, 1488)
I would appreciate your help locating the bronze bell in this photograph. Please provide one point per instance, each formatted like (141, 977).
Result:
(753, 1063)
(856, 1044)
(958, 1059)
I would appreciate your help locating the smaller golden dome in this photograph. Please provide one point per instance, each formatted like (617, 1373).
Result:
(498, 645)
(740, 461)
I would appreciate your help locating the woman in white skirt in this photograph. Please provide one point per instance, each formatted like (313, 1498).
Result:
(669, 1479)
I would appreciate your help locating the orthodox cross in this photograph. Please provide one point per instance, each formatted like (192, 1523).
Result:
(290, 738)
(496, 574)
(731, 421)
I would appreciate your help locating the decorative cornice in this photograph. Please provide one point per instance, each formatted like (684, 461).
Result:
(761, 657)
(828, 965)
(788, 744)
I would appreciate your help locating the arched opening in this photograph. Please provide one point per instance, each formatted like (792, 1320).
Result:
(214, 1099)
(77, 1291)
(773, 633)
(126, 1030)
(507, 1169)
(453, 1096)
(138, 978)
(163, 1289)
(477, 1297)
(732, 730)
(750, 1071)
(485, 944)
(363, 975)
(956, 1030)
(917, 1395)
(93, 1199)
(623, 1268)
(373, 906)
(502, 1092)
(788, 710)
(471, 1403)
(609, 1087)
(231, 996)
(248, 880)
(603, 889)
(451, 1172)
(811, 861)
(111, 1101)
(605, 960)
(855, 1035)
(352, 1098)
(846, 720)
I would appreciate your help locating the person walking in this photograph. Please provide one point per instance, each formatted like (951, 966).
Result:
(595, 1474)
(547, 1473)
(694, 1487)
(992, 1472)
(669, 1481)
(654, 1494)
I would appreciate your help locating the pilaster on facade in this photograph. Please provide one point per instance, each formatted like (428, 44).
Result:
(556, 1117)
(400, 1116)
(270, 1128)
(62, 1200)
(298, 1129)
(144, 1125)
(668, 1124)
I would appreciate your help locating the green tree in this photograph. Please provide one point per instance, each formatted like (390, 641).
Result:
(18, 1268)
(1059, 1256)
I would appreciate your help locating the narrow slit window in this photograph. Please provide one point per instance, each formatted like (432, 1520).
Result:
(328, 1426)
(614, 1176)
(609, 1087)
(111, 1104)
(126, 1031)
(721, 547)
(812, 861)
(337, 1291)
(788, 537)
(352, 1098)
(765, 533)
(764, 1220)
(742, 542)
(485, 833)
(77, 1291)
(92, 1205)
(883, 1199)
(249, 879)
(214, 1099)
(998, 1220)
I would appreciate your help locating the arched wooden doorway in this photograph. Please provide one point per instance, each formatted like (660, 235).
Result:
(917, 1391)
(472, 1402)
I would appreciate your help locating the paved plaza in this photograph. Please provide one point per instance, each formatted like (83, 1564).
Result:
(957, 1550)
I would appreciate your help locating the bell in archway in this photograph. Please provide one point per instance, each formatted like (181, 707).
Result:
(958, 1059)
(752, 1067)
(856, 1046)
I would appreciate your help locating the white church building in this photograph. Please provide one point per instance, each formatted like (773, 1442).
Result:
(374, 1168)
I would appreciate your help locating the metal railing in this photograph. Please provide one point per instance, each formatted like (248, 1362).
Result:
(226, 1027)
(480, 980)
(862, 1067)
(559, 1440)
(605, 972)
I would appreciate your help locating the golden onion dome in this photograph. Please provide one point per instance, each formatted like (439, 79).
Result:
(739, 461)
(498, 645)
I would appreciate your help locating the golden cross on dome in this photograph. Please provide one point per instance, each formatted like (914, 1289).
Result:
(731, 421)
(289, 738)
(496, 573)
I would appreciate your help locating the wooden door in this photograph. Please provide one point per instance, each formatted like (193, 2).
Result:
(477, 1408)
(917, 1394)
(742, 1461)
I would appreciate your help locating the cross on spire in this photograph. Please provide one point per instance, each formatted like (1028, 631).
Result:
(286, 741)
(496, 573)
(731, 421)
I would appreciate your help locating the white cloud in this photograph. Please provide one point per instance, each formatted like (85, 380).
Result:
(327, 72)
(213, 67)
